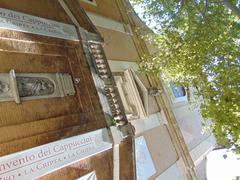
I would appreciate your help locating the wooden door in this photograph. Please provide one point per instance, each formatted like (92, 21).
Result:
(36, 122)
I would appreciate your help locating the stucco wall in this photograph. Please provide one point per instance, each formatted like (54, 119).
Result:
(161, 148)
(107, 8)
(118, 46)
(172, 173)
(190, 123)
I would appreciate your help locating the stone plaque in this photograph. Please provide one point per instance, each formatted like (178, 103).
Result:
(36, 25)
(44, 159)
(34, 86)
(27, 86)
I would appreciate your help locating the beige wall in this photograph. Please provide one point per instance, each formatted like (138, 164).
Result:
(161, 148)
(118, 46)
(107, 8)
(173, 173)
(190, 123)
(118, 40)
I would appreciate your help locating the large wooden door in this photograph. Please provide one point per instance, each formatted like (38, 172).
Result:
(36, 122)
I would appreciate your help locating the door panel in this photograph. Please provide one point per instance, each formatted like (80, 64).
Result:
(36, 122)
(33, 63)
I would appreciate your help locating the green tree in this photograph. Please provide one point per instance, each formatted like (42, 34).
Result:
(197, 45)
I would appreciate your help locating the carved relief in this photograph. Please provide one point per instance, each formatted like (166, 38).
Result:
(4, 87)
(34, 86)
(28, 86)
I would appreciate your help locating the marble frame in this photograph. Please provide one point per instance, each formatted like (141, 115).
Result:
(37, 84)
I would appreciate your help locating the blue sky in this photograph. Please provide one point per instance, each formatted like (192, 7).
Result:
(223, 165)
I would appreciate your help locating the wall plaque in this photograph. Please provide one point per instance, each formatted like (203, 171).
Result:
(27, 86)
(42, 160)
(32, 24)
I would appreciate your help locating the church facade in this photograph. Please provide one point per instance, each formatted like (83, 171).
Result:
(74, 105)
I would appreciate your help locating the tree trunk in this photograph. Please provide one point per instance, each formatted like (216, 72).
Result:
(232, 7)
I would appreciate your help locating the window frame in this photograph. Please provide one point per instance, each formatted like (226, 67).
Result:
(173, 98)
(129, 92)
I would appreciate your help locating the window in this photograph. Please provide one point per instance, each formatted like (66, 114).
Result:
(177, 93)
(133, 93)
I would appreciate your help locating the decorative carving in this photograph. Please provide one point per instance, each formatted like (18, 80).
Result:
(67, 85)
(112, 94)
(34, 86)
(154, 91)
(29, 86)
(4, 87)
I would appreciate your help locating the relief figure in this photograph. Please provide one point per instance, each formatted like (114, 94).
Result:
(34, 86)
(4, 87)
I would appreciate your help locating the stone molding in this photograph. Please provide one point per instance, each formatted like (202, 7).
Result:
(28, 86)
